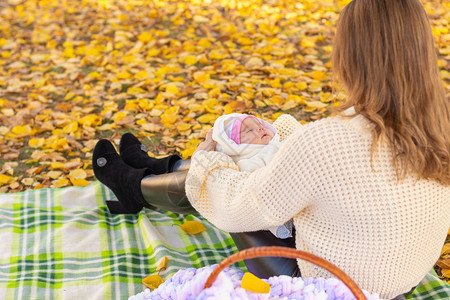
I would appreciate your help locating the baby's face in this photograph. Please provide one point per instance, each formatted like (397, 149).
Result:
(253, 132)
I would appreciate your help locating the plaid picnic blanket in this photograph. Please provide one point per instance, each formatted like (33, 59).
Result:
(64, 244)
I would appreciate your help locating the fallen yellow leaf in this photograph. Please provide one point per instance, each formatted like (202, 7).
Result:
(253, 284)
(319, 76)
(54, 174)
(90, 121)
(446, 249)
(19, 129)
(78, 174)
(193, 227)
(123, 75)
(153, 281)
(38, 186)
(190, 60)
(254, 62)
(187, 153)
(106, 127)
(444, 263)
(94, 75)
(79, 182)
(308, 43)
(313, 105)
(302, 85)
(289, 105)
(446, 273)
(36, 143)
(204, 43)
(201, 76)
(38, 170)
(61, 182)
(5, 179)
(170, 116)
(9, 112)
(207, 118)
(27, 181)
(71, 127)
(141, 75)
(260, 103)
(57, 165)
(145, 37)
(172, 89)
(162, 263)
(184, 127)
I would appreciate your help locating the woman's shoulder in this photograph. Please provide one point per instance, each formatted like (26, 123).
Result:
(337, 128)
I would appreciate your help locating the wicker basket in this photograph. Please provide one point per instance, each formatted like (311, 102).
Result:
(289, 253)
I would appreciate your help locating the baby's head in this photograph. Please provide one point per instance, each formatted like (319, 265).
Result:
(247, 129)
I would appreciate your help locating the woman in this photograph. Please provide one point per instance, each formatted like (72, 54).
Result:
(368, 189)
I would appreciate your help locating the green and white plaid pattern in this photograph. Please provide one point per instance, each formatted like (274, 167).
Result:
(63, 244)
(431, 288)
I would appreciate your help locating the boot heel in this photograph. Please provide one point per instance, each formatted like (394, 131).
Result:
(123, 180)
(115, 208)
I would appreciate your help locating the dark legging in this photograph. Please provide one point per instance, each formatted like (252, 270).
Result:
(264, 267)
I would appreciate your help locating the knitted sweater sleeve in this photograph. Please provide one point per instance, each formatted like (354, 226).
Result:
(237, 201)
(285, 125)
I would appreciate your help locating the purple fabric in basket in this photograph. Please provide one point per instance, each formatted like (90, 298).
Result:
(188, 284)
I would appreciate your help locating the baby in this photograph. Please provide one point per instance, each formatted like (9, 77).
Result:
(251, 143)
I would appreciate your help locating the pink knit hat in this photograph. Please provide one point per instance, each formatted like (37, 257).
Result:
(235, 126)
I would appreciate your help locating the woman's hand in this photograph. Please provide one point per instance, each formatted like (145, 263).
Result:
(208, 145)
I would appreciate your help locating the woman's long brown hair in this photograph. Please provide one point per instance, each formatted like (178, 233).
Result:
(385, 57)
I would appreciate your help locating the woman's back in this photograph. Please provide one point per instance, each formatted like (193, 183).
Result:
(386, 233)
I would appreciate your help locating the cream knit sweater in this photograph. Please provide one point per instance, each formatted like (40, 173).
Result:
(384, 234)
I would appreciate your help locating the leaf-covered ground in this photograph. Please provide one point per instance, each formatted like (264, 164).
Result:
(75, 71)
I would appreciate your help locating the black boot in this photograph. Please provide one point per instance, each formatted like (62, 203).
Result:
(123, 180)
(135, 155)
